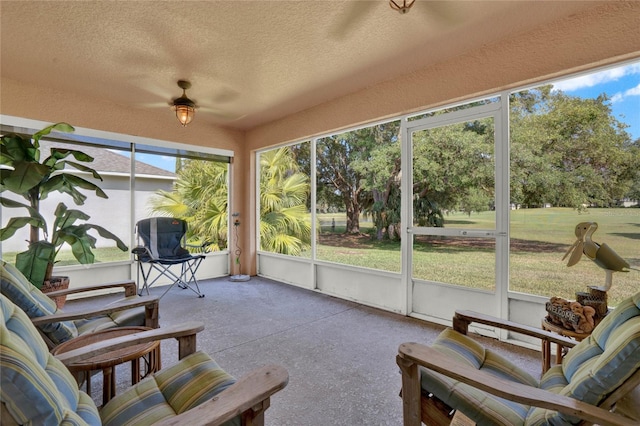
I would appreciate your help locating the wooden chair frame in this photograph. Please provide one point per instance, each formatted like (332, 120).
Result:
(151, 304)
(418, 407)
(249, 397)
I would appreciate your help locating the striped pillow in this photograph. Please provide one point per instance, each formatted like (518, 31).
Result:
(32, 301)
(128, 317)
(481, 407)
(36, 387)
(598, 365)
(174, 390)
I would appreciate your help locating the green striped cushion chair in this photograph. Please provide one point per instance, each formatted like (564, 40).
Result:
(37, 389)
(30, 299)
(591, 371)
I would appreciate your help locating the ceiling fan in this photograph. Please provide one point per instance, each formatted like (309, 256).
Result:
(401, 6)
(356, 13)
(184, 106)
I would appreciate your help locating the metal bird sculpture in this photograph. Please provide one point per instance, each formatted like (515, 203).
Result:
(603, 255)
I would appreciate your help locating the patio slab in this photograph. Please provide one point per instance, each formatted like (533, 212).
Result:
(340, 354)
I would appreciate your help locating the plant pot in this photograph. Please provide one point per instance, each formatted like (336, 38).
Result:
(55, 284)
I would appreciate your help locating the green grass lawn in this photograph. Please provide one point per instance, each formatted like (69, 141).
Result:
(539, 240)
(65, 257)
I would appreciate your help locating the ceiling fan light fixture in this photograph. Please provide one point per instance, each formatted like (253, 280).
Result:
(401, 6)
(184, 107)
(184, 113)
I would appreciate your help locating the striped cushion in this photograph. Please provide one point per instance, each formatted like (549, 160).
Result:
(627, 309)
(174, 390)
(126, 318)
(554, 379)
(481, 407)
(35, 387)
(597, 377)
(598, 365)
(36, 304)
(591, 371)
(32, 301)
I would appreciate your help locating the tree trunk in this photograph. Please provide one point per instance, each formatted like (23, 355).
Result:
(353, 217)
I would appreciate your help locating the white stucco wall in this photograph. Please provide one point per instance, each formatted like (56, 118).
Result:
(114, 213)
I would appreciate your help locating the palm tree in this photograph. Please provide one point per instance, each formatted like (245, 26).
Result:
(199, 197)
(285, 225)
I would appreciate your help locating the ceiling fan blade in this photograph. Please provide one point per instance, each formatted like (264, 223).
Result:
(220, 113)
(155, 105)
(355, 13)
(155, 89)
(224, 95)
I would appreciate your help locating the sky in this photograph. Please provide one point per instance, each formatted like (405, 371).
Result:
(160, 161)
(620, 84)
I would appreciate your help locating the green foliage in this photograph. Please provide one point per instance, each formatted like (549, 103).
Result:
(284, 192)
(453, 170)
(565, 151)
(358, 169)
(34, 180)
(427, 213)
(569, 151)
(199, 196)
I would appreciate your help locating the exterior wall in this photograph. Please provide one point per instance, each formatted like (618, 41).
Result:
(112, 213)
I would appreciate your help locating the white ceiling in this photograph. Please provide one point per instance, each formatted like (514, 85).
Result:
(250, 62)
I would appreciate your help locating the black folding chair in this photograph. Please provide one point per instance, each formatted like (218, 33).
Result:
(161, 246)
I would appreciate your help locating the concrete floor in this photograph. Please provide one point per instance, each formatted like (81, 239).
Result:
(340, 355)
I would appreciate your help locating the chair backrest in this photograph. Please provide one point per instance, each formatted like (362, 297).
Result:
(596, 368)
(163, 237)
(15, 286)
(36, 387)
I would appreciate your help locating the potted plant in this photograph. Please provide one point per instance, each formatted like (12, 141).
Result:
(34, 179)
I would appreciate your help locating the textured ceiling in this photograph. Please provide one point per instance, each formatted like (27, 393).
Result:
(250, 62)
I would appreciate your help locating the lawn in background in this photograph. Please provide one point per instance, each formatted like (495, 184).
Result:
(539, 240)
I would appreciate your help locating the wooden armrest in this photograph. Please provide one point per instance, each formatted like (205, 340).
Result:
(149, 301)
(251, 392)
(462, 319)
(183, 332)
(410, 355)
(130, 288)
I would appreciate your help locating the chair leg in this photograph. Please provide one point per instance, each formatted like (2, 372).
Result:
(185, 279)
(410, 391)
(188, 276)
(420, 406)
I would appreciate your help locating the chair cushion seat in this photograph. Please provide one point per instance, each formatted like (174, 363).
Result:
(125, 318)
(172, 391)
(599, 364)
(592, 371)
(36, 304)
(483, 408)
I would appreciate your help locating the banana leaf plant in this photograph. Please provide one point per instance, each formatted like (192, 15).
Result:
(25, 175)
